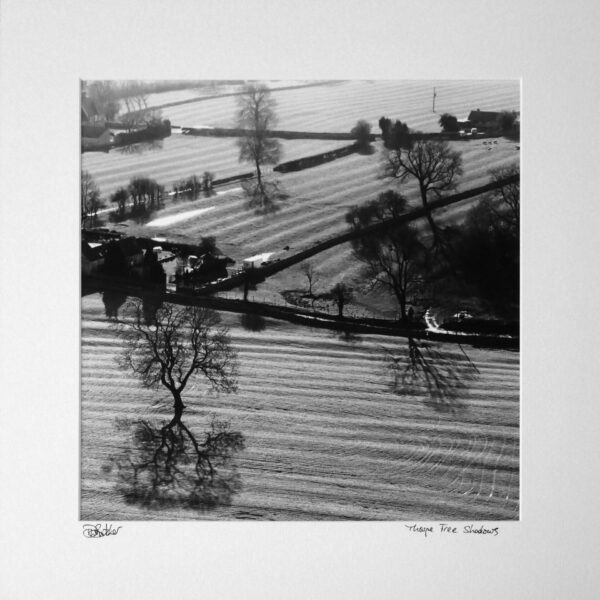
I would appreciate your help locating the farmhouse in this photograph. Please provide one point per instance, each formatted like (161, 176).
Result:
(95, 137)
(257, 260)
(484, 119)
(92, 257)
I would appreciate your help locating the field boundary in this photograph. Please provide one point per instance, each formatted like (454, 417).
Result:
(303, 317)
(230, 94)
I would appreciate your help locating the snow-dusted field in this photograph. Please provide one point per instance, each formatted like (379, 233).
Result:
(325, 436)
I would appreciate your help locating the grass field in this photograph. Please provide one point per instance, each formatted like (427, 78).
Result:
(337, 107)
(325, 436)
(179, 156)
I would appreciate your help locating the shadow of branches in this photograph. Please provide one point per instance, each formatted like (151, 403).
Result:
(263, 197)
(166, 467)
(444, 375)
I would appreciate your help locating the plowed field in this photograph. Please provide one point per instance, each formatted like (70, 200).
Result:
(325, 436)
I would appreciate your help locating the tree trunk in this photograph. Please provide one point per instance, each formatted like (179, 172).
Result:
(429, 216)
(259, 177)
(178, 407)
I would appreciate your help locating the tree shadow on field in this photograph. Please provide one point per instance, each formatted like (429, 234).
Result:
(140, 147)
(253, 322)
(263, 198)
(168, 467)
(443, 375)
(113, 300)
(347, 336)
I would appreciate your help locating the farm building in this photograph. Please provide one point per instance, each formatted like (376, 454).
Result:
(95, 137)
(92, 257)
(253, 262)
(484, 119)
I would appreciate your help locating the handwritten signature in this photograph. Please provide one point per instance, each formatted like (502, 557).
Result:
(97, 531)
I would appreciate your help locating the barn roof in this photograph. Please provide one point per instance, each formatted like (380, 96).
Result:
(92, 253)
(92, 131)
(483, 116)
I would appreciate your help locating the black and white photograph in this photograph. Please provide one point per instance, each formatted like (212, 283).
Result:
(300, 300)
(275, 322)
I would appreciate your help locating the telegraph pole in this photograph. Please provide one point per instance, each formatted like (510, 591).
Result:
(434, 95)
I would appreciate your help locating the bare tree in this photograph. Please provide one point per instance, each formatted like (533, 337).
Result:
(120, 198)
(256, 116)
(508, 196)
(342, 295)
(177, 346)
(395, 257)
(91, 201)
(433, 164)
(308, 270)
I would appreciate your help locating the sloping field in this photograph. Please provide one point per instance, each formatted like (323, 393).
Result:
(325, 436)
(180, 156)
(337, 107)
(159, 99)
(315, 210)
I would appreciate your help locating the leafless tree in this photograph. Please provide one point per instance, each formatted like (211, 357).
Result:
(256, 116)
(308, 270)
(169, 349)
(506, 200)
(120, 198)
(433, 164)
(91, 201)
(394, 258)
(342, 294)
(180, 344)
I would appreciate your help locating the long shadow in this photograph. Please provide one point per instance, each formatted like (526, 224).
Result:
(445, 376)
(265, 199)
(169, 467)
(253, 322)
(140, 147)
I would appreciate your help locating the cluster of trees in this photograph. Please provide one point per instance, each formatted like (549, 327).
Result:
(130, 98)
(487, 250)
(194, 185)
(91, 201)
(448, 123)
(481, 258)
(395, 135)
(361, 132)
(138, 199)
(395, 259)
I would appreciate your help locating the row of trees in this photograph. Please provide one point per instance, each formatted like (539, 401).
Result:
(139, 198)
(194, 185)
(480, 258)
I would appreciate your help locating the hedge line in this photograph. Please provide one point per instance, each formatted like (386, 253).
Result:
(316, 159)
